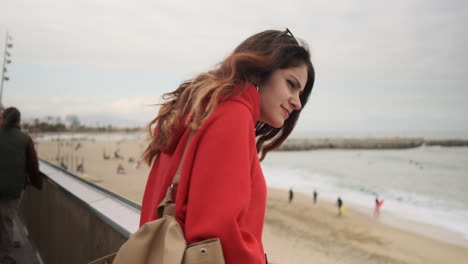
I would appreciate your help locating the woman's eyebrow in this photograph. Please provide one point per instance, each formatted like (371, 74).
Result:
(298, 84)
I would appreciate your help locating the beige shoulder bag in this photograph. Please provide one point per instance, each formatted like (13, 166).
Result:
(162, 240)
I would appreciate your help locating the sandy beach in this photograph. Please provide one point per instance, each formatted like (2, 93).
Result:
(300, 232)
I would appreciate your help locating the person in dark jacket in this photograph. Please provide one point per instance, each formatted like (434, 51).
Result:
(18, 167)
(1, 113)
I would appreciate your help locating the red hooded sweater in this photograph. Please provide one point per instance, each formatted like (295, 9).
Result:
(222, 190)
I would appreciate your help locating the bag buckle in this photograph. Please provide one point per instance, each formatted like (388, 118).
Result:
(173, 189)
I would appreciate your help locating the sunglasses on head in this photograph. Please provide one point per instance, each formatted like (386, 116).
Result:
(299, 42)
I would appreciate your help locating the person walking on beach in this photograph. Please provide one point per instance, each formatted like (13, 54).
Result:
(339, 202)
(228, 119)
(378, 204)
(291, 195)
(315, 196)
(18, 167)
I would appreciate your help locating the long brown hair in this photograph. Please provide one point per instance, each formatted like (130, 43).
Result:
(252, 62)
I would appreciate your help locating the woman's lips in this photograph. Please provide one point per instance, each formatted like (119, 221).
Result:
(286, 112)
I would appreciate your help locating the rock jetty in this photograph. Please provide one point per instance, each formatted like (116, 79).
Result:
(298, 144)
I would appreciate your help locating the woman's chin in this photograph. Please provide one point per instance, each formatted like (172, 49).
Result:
(277, 124)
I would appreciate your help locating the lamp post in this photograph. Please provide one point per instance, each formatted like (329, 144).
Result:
(6, 60)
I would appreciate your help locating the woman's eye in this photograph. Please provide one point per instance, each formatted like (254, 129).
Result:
(291, 84)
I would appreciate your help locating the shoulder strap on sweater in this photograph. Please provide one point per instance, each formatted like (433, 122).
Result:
(176, 178)
(167, 206)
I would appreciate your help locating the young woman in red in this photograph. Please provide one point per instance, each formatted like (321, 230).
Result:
(238, 112)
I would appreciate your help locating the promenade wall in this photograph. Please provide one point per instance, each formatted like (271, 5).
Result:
(73, 221)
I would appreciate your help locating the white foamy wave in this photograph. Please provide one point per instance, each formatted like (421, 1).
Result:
(446, 214)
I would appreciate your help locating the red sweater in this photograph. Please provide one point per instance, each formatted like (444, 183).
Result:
(222, 190)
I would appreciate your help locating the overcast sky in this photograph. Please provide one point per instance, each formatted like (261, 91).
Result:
(393, 66)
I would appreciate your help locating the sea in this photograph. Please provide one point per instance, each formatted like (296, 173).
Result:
(424, 185)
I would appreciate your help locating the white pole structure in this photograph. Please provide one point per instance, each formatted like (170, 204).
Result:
(4, 69)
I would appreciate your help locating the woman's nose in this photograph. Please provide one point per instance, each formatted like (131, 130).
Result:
(296, 102)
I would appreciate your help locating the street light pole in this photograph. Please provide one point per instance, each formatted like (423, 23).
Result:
(5, 62)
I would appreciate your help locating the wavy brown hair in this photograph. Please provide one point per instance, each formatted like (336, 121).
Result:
(252, 62)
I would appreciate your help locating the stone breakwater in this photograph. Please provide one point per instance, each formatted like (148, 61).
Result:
(295, 144)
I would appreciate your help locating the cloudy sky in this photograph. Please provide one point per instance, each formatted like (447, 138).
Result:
(396, 66)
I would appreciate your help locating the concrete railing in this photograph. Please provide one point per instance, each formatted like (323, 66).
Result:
(74, 221)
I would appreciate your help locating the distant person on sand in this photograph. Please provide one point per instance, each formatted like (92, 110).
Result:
(117, 154)
(78, 146)
(104, 155)
(378, 204)
(18, 167)
(226, 120)
(315, 196)
(63, 165)
(120, 169)
(339, 202)
(80, 168)
(291, 195)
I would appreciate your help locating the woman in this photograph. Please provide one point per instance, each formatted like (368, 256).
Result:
(244, 108)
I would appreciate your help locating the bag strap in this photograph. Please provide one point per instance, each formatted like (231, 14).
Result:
(176, 178)
(167, 206)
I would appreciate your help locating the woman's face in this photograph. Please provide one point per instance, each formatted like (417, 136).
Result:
(279, 95)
